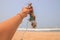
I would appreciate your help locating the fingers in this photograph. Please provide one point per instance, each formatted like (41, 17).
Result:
(30, 9)
(27, 10)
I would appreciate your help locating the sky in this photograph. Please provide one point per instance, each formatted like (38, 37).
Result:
(47, 12)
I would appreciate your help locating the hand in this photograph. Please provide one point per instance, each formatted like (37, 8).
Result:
(28, 9)
(25, 11)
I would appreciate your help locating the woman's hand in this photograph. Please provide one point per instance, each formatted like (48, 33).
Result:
(25, 11)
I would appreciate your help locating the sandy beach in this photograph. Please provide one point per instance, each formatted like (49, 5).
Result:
(36, 35)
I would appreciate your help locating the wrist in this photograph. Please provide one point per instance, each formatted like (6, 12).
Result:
(22, 15)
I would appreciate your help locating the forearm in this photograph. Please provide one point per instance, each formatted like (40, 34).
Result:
(9, 26)
(11, 23)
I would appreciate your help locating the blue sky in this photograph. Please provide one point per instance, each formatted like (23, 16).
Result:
(47, 11)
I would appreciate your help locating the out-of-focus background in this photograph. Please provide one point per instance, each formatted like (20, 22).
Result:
(47, 12)
(47, 16)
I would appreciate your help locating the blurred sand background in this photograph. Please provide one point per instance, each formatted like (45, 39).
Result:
(30, 35)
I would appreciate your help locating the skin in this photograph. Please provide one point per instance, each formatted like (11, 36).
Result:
(9, 27)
